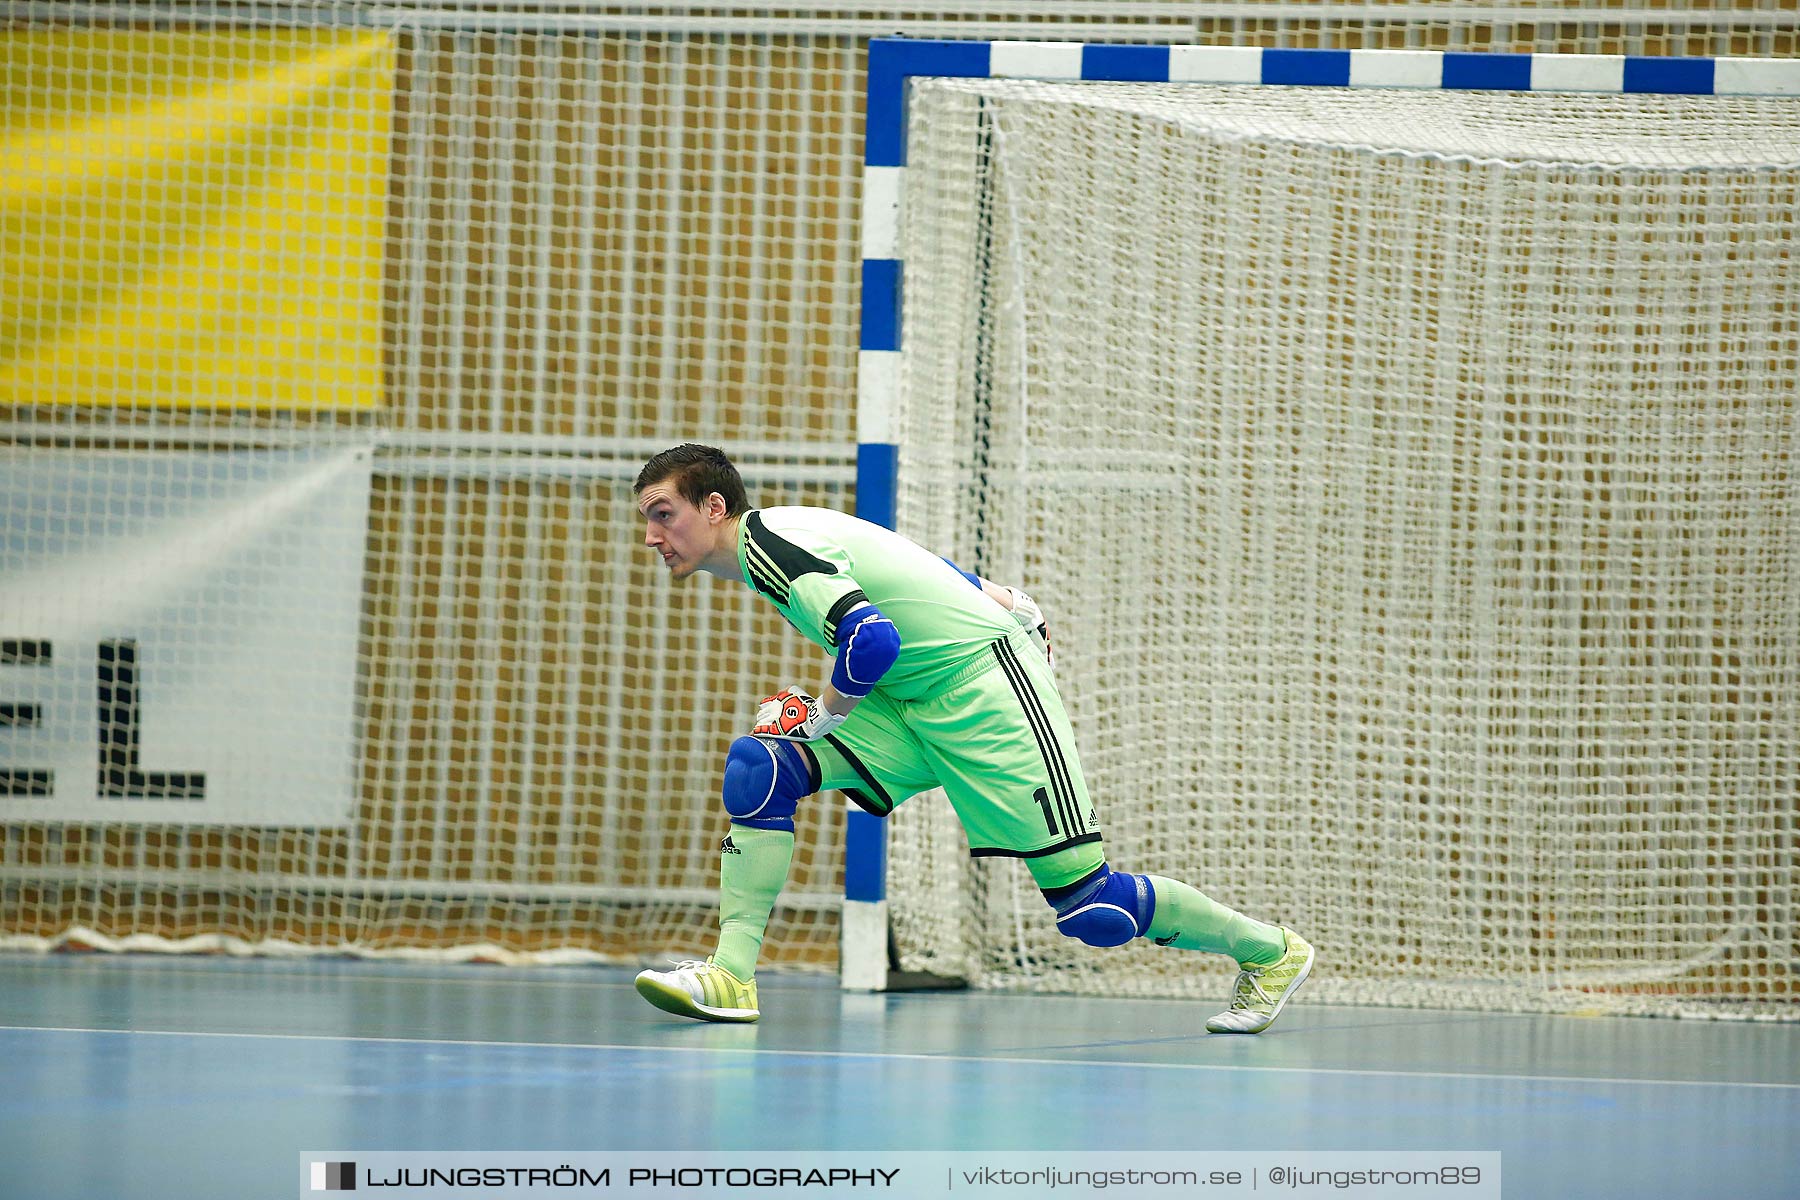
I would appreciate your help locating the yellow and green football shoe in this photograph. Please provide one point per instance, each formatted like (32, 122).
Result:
(1261, 991)
(704, 991)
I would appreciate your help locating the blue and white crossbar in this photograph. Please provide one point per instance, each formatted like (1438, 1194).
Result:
(895, 62)
(892, 62)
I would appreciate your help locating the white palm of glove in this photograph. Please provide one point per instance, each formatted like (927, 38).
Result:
(794, 716)
(1026, 612)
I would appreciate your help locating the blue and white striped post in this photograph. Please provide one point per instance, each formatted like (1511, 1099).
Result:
(893, 63)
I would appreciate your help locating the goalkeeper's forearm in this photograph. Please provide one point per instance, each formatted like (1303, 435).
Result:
(1024, 610)
(836, 703)
(998, 593)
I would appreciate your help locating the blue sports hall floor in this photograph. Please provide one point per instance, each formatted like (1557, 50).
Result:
(133, 1077)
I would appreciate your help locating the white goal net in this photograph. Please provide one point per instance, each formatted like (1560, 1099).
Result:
(1408, 480)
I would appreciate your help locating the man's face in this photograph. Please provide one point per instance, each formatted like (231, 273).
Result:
(685, 535)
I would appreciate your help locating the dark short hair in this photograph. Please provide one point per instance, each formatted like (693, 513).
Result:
(697, 471)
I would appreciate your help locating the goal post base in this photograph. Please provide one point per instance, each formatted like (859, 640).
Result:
(863, 947)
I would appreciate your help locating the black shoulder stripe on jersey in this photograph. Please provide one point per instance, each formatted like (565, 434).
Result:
(843, 608)
(761, 580)
(788, 561)
(763, 575)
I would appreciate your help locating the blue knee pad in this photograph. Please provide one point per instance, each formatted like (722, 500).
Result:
(764, 780)
(1108, 908)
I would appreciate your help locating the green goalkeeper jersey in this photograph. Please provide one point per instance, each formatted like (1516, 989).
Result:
(816, 565)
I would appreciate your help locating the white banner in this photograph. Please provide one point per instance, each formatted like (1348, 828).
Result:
(178, 635)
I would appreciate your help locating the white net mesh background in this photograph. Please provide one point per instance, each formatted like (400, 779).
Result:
(507, 250)
(509, 267)
(1408, 481)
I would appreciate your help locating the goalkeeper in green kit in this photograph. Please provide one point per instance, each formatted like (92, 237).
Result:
(940, 679)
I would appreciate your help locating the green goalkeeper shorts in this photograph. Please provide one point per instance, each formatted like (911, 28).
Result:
(997, 740)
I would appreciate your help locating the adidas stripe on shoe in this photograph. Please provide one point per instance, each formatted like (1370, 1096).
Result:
(704, 991)
(1260, 993)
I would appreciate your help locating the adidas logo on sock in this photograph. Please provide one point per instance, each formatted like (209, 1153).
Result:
(1167, 941)
(728, 846)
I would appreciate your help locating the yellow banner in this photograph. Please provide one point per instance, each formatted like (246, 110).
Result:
(193, 220)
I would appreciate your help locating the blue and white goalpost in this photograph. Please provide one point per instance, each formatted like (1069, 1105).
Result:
(1401, 454)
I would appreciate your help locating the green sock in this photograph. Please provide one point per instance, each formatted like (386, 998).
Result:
(753, 866)
(1189, 920)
